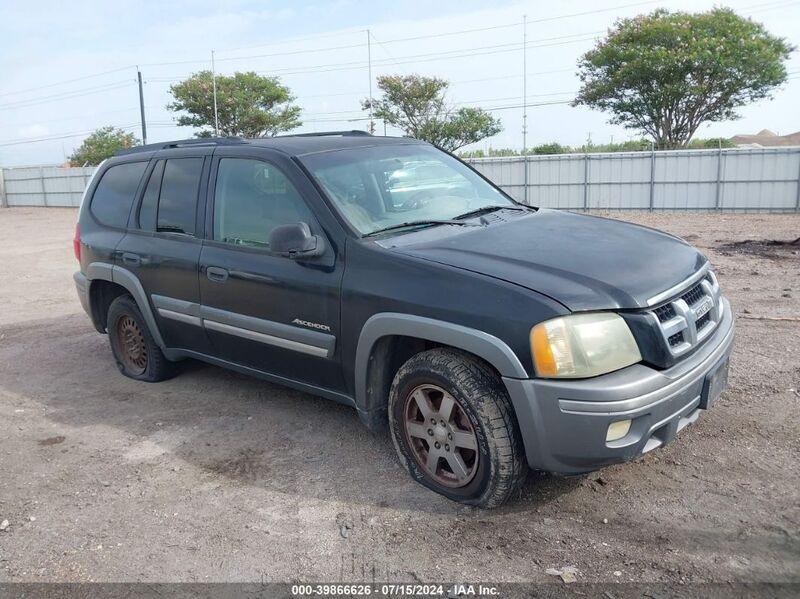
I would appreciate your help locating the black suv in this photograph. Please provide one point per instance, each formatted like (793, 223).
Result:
(385, 274)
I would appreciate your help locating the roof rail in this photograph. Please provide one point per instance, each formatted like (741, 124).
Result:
(184, 143)
(350, 133)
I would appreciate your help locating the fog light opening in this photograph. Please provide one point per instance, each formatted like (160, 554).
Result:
(617, 430)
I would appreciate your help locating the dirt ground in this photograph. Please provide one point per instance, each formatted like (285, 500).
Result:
(214, 476)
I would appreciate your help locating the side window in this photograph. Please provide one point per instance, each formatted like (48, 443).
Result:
(177, 206)
(251, 198)
(113, 196)
(149, 206)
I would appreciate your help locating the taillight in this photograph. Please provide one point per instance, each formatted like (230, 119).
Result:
(76, 242)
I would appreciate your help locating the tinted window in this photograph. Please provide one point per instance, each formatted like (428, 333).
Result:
(250, 199)
(114, 195)
(178, 203)
(147, 211)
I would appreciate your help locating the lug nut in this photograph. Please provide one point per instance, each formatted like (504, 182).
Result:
(450, 436)
(433, 420)
(437, 445)
(430, 432)
(442, 423)
(447, 447)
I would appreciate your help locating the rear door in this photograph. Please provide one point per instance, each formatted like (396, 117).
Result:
(272, 313)
(104, 217)
(162, 247)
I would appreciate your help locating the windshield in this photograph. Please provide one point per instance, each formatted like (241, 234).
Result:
(383, 186)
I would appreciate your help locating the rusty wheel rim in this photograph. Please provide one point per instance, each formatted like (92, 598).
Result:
(440, 435)
(132, 348)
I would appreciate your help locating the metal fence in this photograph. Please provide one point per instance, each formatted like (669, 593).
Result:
(43, 186)
(763, 179)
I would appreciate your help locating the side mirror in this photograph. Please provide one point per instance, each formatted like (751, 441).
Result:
(295, 241)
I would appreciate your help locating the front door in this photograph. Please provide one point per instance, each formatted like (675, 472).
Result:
(276, 314)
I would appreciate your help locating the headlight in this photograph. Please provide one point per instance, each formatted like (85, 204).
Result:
(582, 345)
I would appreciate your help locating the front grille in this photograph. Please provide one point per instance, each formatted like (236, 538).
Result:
(694, 295)
(664, 313)
(691, 315)
(675, 339)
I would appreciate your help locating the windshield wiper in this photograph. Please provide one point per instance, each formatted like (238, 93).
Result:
(485, 209)
(420, 223)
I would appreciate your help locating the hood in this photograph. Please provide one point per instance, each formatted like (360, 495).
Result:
(584, 262)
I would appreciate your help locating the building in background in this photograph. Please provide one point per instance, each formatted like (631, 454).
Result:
(766, 139)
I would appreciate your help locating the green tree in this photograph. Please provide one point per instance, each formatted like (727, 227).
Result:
(666, 73)
(550, 148)
(101, 144)
(711, 143)
(248, 105)
(417, 105)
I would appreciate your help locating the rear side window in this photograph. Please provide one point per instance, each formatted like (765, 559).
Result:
(113, 197)
(177, 206)
(149, 207)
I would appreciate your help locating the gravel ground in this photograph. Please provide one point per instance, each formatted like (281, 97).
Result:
(214, 476)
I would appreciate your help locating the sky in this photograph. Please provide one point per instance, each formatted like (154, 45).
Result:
(67, 68)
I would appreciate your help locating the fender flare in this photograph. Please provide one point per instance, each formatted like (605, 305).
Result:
(128, 280)
(483, 345)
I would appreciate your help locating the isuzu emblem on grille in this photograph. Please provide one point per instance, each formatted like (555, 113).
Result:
(703, 308)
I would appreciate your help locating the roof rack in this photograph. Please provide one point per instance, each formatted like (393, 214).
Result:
(350, 133)
(184, 143)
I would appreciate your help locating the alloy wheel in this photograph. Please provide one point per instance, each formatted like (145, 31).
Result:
(441, 436)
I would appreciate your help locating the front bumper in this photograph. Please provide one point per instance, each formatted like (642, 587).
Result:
(564, 422)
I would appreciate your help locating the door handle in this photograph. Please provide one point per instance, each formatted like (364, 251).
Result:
(131, 259)
(217, 274)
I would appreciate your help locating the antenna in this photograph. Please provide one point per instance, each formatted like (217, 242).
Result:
(369, 70)
(214, 86)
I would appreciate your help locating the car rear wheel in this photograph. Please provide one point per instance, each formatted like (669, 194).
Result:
(135, 351)
(454, 428)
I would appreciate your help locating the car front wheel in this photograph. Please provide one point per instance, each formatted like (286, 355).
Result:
(454, 428)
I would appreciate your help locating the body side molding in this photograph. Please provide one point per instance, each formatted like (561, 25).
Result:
(314, 343)
(483, 345)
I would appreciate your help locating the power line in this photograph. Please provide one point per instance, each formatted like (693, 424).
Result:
(67, 95)
(320, 36)
(64, 82)
(424, 57)
(16, 142)
(414, 58)
(778, 4)
(767, 8)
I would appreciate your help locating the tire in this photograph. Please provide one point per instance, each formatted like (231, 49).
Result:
(135, 351)
(484, 476)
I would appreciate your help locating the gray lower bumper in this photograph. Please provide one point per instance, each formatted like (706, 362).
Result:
(564, 423)
(82, 286)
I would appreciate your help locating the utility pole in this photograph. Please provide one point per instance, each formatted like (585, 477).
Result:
(525, 103)
(369, 71)
(214, 87)
(524, 84)
(141, 106)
